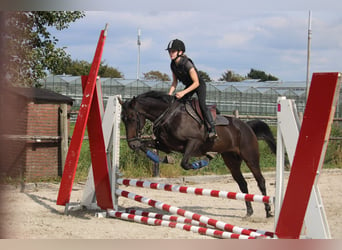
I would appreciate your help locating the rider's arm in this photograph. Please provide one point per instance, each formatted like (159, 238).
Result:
(193, 86)
(174, 84)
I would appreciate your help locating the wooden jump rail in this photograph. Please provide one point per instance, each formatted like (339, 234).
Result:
(185, 220)
(197, 191)
(190, 215)
(165, 223)
(166, 217)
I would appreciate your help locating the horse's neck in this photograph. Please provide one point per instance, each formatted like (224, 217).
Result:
(152, 112)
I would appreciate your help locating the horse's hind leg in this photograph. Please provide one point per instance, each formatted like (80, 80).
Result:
(233, 162)
(191, 147)
(252, 161)
(262, 186)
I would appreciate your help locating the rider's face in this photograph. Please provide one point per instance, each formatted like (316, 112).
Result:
(173, 53)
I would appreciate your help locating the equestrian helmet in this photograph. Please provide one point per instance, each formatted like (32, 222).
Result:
(176, 44)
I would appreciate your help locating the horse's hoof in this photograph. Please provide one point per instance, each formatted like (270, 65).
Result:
(269, 215)
(248, 215)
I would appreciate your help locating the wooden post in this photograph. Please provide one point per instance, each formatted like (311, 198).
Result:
(64, 132)
(236, 113)
(155, 166)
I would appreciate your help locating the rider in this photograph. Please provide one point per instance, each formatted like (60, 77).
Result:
(183, 69)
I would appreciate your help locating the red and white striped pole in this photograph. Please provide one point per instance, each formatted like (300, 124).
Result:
(185, 220)
(175, 210)
(197, 191)
(195, 229)
(167, 217)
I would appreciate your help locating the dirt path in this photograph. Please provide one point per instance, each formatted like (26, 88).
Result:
(34, 214)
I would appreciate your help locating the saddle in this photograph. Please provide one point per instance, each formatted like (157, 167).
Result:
(193, 109)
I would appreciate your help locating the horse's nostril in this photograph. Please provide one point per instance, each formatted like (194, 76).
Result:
(133, 146)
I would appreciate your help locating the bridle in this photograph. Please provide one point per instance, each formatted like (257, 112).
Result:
(138, 127)
(162, 118)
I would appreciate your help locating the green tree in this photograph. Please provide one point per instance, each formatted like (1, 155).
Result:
(30, 49)
(258, 74)
(204, 76)
(230, 76)
(73, 67)
(78, 68)
(156, 75)
(107, 71)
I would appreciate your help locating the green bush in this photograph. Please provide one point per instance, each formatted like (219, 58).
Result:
(333, 156)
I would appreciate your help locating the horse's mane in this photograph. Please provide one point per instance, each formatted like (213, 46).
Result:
(158, 95)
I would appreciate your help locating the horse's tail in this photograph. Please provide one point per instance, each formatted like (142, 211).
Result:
(263, 132)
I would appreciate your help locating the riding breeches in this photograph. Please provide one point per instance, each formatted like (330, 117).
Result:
(201, 94)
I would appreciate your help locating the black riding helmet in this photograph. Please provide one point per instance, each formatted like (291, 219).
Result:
(176, 44)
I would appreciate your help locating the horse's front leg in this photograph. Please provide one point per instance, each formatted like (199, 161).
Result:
(145, 145)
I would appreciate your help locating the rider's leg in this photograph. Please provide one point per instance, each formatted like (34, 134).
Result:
(201, 93)
(212, 131)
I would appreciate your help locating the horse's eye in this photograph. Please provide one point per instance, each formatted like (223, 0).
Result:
(131, 117)
(124, 118)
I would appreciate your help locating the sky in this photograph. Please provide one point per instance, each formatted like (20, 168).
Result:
(217, 40)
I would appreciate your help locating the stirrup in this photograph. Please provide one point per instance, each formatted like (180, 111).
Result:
(212, 135)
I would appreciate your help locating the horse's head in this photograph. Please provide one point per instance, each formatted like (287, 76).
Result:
(134, 122)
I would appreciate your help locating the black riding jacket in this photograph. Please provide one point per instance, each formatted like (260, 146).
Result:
(182, 68)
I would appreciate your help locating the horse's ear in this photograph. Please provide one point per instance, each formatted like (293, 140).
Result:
(120, 101)
(133, 102)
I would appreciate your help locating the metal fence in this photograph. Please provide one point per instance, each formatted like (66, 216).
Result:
(248, 97)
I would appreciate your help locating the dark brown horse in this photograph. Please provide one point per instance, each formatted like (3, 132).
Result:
(175, 130)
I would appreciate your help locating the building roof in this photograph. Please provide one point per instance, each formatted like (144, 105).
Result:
(39, 95)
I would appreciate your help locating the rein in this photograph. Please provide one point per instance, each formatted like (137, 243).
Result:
(157, 122)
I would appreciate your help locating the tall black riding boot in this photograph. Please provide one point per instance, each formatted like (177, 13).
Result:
(211, 128)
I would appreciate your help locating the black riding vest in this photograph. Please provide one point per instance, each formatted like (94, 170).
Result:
(182, 68)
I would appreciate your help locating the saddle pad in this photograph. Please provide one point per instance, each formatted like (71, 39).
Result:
(219, 121)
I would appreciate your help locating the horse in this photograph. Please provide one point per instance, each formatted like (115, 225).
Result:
(177, 131)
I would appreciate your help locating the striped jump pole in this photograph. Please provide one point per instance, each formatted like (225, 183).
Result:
(185, 220)
(197, 191)
(166, 217)
(175, 210)
(195, 229)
